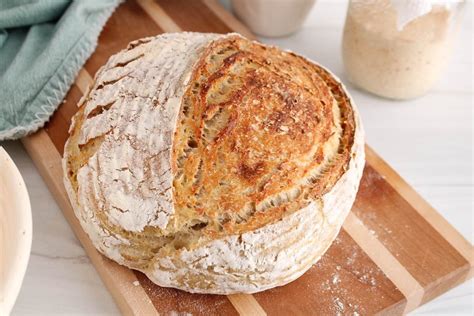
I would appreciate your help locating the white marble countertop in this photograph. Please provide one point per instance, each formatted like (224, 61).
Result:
(427, 140)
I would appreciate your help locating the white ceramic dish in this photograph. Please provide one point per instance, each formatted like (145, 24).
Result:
(15, 232)
(272, 18)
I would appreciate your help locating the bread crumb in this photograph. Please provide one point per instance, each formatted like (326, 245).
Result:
(325, 286)
(368, 279)
(351, 259)
(336, 279)
(136, 283)
(339, 304)
(372, 281)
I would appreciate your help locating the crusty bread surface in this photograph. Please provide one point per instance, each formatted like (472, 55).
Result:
(212, 163)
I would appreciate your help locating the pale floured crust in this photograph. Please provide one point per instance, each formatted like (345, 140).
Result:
(146, 176)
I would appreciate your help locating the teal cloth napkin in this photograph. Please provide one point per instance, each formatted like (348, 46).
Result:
(43, 45)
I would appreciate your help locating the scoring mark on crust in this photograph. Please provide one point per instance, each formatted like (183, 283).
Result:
(99, 109)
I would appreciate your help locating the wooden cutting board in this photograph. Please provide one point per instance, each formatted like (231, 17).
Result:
(394, 253)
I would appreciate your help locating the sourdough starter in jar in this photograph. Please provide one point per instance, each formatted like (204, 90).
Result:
(392, 60)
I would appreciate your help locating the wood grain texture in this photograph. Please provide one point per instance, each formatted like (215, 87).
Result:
(83, 80)
(58, 126)
(129, 22)
(158, 15)
(418, 246)
(172, 301)
(429, 255)
(341, 282)
(440, 224)
(383, 258)
(227, 17)
(246, 304)
(203, 19)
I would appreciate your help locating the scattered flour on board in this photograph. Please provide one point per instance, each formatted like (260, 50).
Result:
(368, 278)
(184, 304)
(341, 299)
(351, 259)
(339, 305)
(340, 295)
(336, 279)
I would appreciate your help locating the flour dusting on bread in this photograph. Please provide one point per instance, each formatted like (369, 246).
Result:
(138, 126)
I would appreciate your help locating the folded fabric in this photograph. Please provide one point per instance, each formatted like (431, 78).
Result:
(43, 45)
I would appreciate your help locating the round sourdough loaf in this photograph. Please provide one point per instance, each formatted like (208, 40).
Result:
(212, 163)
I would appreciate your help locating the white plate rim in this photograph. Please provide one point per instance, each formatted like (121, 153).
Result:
(15, 229)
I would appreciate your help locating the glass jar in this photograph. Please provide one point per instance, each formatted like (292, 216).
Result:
(397, 51)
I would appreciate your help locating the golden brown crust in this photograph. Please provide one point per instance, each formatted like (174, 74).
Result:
(253, 125)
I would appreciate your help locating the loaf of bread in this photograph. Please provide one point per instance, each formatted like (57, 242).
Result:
(212, 163)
